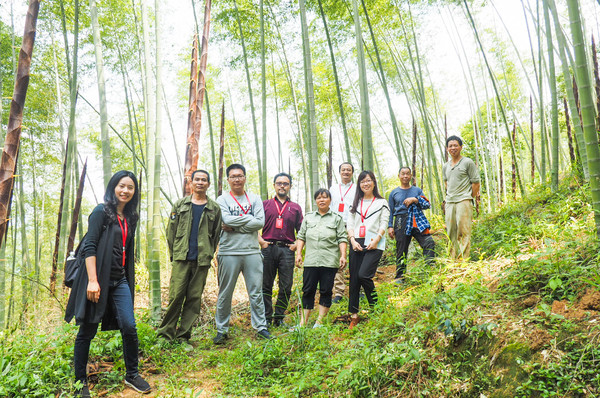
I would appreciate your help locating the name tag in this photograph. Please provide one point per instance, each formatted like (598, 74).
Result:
(279, 223)
(341, 208)
(362, 231)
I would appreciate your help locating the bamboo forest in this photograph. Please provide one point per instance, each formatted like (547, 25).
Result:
(296, 89)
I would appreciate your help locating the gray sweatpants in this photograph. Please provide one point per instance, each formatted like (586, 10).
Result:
(251, 266)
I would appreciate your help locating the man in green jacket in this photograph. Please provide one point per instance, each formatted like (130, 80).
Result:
(192, 235)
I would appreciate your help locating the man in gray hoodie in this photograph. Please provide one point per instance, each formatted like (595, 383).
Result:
(243, 216)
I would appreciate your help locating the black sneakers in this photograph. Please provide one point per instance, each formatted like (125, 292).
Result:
(220, 338)
(138, 384)
(264, 334)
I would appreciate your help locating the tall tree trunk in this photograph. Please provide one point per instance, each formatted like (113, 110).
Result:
(25, 259)
(394, 123)
(76, 210)
(61, 211)
(263, 74)
(553, 99)
(213, 159)
(569, 136)
(513, 169)
(310, 104)
(71, 147)
(587, 107)
(493, 79)
(597, 83)
(106, 160)
(154, 269)
(221, 151)
(570, 87)
(532, 139)
(261, 178)
(337, 84)
(12, 141)
(191, 147)
(365, 115)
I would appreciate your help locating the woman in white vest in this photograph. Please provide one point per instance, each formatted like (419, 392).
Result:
(367, 225)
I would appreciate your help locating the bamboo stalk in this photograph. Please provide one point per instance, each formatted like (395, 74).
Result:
(76, 210)
(569, 135)
(12, 141)
(587, 108)
(221, 151)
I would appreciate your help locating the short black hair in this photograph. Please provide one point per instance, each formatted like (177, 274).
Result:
(340, 168)
(454, 138)
(404, 167)
(234, 166)
(200, 171)
(322, 191)
(289, 177)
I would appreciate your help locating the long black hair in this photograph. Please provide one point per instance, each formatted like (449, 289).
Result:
(359, 192)
(110, 199)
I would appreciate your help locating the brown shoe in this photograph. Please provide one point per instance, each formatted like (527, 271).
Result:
(353, 323)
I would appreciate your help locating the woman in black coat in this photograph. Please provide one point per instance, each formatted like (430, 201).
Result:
(103, 292)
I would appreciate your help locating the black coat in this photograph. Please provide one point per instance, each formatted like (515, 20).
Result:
(85, 311)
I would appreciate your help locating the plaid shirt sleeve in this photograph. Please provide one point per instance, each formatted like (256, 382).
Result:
(416, 216)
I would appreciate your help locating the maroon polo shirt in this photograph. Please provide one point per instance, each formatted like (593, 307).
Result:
(291, 216)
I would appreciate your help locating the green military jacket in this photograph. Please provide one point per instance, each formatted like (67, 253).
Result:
(180, 225)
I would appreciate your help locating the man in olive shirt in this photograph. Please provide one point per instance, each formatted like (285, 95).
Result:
(192, 236)
(461, 177)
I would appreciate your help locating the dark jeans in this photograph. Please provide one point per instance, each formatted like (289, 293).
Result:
(312, 277)
(363, 266)
(277, 259)
(403, 242)
(120, 298)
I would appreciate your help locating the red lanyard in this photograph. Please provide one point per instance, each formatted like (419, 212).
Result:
(280, 211)
(238, 203)
(362, 216)
(342, 197)
(123, 235)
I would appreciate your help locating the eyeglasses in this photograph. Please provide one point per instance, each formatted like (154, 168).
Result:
(236, 177)
(365, 181)
(282, 184)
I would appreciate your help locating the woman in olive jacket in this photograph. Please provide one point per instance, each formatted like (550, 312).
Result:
(103, 291)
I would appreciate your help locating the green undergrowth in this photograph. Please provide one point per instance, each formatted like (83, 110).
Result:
(489, 327)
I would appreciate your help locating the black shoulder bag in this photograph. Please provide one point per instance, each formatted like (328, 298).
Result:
(74, 262)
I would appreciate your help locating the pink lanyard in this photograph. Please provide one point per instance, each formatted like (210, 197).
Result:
(363, 216)
(123, 235)
(238, 203)
(342, 197)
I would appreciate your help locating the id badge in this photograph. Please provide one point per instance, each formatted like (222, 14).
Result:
(279, 223)
(341, 208)
(362, 231)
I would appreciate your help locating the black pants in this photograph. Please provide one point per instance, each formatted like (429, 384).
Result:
(403, 242)
(277, 260)
(363, 266)
(119, 297)
(312, 277)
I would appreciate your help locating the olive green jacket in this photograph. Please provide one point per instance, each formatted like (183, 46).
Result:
(180, 225)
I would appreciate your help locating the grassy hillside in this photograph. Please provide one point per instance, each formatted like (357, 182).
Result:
(522, 319)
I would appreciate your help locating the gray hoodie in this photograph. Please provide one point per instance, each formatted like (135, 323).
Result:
(246, 221)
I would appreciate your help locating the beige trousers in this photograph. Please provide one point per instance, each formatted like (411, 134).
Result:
(459, 220)
(339, 283)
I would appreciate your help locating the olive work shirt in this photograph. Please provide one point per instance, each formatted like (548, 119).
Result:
(459, 179)
(323, 235)
(180, 226)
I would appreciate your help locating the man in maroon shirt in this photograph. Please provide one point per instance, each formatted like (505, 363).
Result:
(283, 218)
